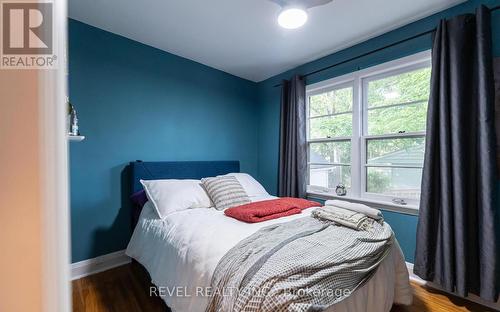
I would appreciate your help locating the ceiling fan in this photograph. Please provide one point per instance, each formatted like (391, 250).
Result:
(294, 12)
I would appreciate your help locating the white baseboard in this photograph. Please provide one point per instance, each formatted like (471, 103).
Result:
(473, 298)
(98, 264)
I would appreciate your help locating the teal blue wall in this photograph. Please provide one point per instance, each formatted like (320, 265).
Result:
(137, 102)
(269, 97)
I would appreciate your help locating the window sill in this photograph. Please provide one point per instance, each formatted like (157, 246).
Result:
(405, 209)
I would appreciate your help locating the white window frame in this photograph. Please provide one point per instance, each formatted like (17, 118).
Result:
(359, 82)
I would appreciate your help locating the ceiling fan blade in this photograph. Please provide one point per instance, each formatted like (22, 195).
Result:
(281, 3)
(315, 3)
(303, 3)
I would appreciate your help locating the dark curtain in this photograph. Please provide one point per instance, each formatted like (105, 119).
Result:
(457, 247)
(293, 148)
(496, 70)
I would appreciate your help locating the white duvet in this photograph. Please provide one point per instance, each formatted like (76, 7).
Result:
(181, 253)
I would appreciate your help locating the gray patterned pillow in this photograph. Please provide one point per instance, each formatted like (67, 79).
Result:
(225, 192)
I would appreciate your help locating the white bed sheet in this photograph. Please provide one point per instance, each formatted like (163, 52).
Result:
(181, 253)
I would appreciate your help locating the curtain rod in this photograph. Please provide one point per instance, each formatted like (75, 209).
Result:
(376, 50)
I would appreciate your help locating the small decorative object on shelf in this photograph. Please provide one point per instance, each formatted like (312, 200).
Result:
(73, 129)
(73, 121)
(341, 190)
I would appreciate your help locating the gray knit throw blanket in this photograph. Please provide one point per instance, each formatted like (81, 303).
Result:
(306, 264)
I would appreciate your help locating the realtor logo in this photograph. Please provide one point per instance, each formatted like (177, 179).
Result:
(27, 35)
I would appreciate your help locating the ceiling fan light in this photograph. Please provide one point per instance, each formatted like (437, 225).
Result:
(292, 18)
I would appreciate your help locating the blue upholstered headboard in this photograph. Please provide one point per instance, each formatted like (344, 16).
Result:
(141, 170)
(178, 170)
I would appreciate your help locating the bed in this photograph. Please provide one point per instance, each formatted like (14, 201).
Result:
(182, 251)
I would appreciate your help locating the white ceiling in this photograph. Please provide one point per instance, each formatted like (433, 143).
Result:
(242, 37)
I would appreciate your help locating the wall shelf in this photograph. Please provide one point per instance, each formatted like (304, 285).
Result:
(76, 138)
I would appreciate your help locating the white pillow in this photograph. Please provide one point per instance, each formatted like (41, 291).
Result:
(249, 184)
(170, 196)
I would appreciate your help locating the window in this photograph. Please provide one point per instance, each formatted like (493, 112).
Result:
(366, 130)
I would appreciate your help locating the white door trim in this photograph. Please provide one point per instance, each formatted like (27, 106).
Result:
(56, 296)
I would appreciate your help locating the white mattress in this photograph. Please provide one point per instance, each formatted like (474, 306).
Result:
(182, 251)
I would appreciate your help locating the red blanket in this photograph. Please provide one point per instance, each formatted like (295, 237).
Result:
(269, 209)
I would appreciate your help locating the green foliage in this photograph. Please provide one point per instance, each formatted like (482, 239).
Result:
(339, 174)
(403, 88)
(377, 182)
(395, 90)
(344, 177)
(400, 89)
(331, 126)
(396, 103)
(332, 152)
(408, 118)
(332, 102)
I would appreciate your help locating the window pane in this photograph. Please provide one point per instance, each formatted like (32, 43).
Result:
(402, 88)
(408, 151)
(397, 182)
(332, 102)
(329, 176)
(331, 126)
(409, 118)
(330, 152)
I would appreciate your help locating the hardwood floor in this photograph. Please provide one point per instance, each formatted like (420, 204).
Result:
(122, 289)
(126, 289)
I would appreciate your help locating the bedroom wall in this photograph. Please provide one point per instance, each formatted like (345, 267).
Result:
(138, 102)
(269, 96)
